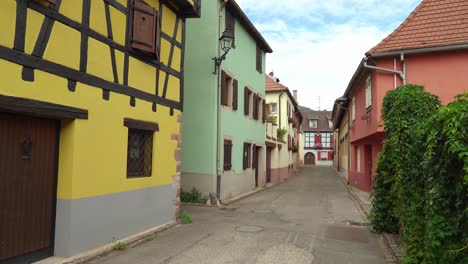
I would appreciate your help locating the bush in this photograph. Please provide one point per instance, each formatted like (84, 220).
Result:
(193, 196)
(280, 132)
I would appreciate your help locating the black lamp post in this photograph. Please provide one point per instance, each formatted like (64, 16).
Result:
(226, 44)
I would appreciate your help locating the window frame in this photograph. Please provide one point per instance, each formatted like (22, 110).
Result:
(368, 92)
(143, 127)
(271, 108)
(315, 122)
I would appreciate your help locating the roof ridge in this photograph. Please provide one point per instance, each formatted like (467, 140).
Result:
(400, 27)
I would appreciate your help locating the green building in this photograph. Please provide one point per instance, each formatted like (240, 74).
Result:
(223, 134)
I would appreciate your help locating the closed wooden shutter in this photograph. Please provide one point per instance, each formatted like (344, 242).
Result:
(231, 25)
(330, 155)
(234, 94)
(255, 106)
(145, 28)
(246, 101)
(224, 89)
(259, 59)
(319, 155)
(265, 109)
(227, 155)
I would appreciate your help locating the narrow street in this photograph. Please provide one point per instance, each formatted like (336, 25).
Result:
(303, 220)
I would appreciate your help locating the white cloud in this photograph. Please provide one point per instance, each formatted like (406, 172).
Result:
(318, 44)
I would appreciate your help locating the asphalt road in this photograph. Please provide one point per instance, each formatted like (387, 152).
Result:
(303, 220)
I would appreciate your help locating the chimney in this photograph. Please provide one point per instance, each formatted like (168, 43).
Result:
(272, 74)
(295, 95)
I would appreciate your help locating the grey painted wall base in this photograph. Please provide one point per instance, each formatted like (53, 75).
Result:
(232, 183)
(87, 223)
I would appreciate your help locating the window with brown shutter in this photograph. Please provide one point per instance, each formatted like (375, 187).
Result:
(246, 155)
(145, 28)
(231, 25)
(224, 89)
(255, 107)
(227, 155)
(259, 60)
(265, 110)
(246, 101)
(234, 94)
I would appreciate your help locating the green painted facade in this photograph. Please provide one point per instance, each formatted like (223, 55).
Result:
(200, 105)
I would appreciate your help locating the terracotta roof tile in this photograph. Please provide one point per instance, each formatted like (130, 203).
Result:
(433, 23)
(271, 84)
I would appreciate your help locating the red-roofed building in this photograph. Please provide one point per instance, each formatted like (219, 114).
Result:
(429, 48)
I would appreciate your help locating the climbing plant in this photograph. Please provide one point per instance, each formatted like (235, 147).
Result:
(382, 214)
(399, 194)
(446, 167)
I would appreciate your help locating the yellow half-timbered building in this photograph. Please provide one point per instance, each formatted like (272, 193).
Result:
(91, 95)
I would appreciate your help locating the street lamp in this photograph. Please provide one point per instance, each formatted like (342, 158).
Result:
(226, 42)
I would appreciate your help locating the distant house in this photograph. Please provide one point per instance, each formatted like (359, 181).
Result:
(317, 133)
(282, 155)
(224, 154)
(429, 48)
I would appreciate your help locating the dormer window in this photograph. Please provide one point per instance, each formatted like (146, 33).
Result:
(313, 123)
(330, 123)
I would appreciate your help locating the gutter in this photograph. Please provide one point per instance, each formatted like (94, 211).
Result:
(420, 50)
(402, 74)
(218, 110)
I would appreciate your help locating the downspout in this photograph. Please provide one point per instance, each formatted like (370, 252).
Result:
(279, 108)
(402, 73)
(218, 111)
(349, 144)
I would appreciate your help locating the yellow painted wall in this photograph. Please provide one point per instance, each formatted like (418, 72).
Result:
(93, 152)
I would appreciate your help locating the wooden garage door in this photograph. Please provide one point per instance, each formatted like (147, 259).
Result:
(27, 186)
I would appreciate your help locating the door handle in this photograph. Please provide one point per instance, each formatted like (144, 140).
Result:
(26, 147)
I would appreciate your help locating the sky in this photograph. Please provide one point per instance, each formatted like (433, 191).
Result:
(318, 44)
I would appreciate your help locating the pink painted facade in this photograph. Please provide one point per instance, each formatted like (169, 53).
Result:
(443, 74)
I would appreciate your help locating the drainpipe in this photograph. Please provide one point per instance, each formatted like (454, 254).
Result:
(218, 111)
(279, 108)
(402, 74)
(349, 144)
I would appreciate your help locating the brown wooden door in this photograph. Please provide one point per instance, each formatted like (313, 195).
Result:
(268, 165)
(309, 159)
(28, 148)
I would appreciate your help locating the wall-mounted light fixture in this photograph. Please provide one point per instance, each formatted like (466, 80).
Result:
(226, 41)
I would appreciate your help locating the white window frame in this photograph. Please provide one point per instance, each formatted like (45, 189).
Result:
(368, 92)
(313, 121)
(324, 155)
(275, 105)
(353, 109)
(330, 123)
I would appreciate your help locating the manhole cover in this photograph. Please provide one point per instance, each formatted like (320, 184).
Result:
(353, 223)
(227, 209)
(249, 228)
(262, 211)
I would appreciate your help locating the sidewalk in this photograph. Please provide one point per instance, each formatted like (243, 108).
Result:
(390, 243)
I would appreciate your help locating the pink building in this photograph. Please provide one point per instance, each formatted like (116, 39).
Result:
(429, 48)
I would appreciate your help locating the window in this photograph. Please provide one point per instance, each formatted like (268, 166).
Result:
(259, 60)
(309, 139)
(227, 155)
(323, 155)
(326, 140)
(358, 159)
(229, 94)
(273, 108)
(145, 29)
(313, 123)
(248, 102)
(231, 25)
(353, 109)
(368, 92)
(330, 123)
(247, 154)
(140, 147)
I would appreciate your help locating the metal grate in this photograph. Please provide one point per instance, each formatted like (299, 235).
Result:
(140, 153)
